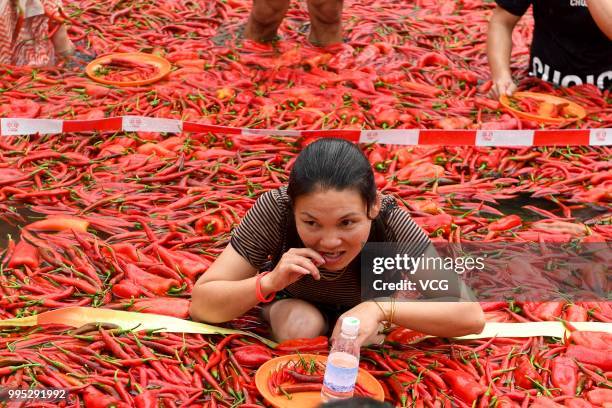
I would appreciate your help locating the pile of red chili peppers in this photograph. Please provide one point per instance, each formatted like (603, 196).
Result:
(130, 220)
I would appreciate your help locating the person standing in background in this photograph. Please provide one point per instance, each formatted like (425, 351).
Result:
(325, 20)
(572, 42)
(30, 35)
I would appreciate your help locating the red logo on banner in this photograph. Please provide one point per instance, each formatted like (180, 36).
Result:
(12, 126)
(257, 131)
(600, 135)
(487, 135)
(371, 135)
(135, 122)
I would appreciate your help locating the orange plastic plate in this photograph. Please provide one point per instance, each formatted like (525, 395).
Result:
(162, 65)
(576, 109)
(306, 399)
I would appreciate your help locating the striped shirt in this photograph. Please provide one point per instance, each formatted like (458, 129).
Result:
(262, 238)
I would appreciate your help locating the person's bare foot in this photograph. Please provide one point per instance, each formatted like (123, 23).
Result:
(326, 37)
(260, 33)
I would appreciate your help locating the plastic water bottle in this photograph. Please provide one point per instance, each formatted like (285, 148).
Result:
(342, 363)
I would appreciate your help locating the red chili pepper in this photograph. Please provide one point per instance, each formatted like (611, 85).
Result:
(314, 344)
(435, 222)
(564, 375)
(305, 378)
(378, 154)
(147, 399)
(432, 58)
(404, 336)
(76, 282)
(387, 118)
(175, 307)
(492, 306)
(600, 358)
(126, 289)
(600, 396)
(126, 249)
(559, 227)
(154, 283)
(506, 402)
(96, 399)
(59, 223)
(252, 356)
(189, 264)
(112, 344)
(216, 357)
(24, 254)
(463, 385)
(380, 180)
(526, 374)
(210, 225)
(398, 389)
(591, 339)
(575, 313)
(549, 311)
(543, 402)
(295, 388)
(577, 403)
(505, 223)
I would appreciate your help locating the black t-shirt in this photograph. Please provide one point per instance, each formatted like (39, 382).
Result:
(568, 47)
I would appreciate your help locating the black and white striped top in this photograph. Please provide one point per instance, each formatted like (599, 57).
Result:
(261, 238)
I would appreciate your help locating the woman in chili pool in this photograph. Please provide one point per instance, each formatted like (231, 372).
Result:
(307, 237)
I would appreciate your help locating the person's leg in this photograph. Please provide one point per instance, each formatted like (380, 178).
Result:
(294, 318)
(265, 18)
(62, 43)
(325, 21)
(8, 26)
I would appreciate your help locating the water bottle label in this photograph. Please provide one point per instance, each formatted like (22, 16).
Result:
(340, 379)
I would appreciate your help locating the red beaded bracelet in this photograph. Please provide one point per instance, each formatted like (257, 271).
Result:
(258, 293)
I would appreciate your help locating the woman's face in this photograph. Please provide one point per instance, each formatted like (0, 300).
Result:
(334, 223)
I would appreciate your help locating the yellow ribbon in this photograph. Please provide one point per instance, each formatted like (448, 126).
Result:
(79, 316)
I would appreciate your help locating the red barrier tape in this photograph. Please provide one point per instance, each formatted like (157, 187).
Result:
(539, 137)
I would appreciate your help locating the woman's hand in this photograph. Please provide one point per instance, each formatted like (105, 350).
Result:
(294, 264)
(370, 316)
(504, 85)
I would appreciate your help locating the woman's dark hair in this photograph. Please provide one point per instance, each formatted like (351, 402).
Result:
(332, 164)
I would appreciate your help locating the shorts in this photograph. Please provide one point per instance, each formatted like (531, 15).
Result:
(331, 313)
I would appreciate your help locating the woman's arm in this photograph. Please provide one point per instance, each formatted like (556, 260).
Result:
(444, 319)
(499, 50)
(601, 11)
(448, 313)
(226, 290)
